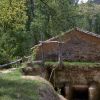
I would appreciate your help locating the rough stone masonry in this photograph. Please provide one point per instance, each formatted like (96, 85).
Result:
(78, 45)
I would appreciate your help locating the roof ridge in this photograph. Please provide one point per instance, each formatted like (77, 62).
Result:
(73, 29)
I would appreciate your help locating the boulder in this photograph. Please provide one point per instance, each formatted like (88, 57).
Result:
(45, 89)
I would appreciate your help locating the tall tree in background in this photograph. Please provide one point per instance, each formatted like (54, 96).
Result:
(30, 13)
(97, 24)
(87, 17)
(52, 17)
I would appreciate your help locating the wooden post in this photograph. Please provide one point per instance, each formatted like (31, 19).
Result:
(60, 60)
(42, 53)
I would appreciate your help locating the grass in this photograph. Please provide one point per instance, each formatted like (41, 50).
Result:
(80, 64)
(13, 87)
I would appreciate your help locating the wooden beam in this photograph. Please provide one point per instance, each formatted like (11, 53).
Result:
(49, 41)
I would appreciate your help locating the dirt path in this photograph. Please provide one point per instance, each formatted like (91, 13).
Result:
(4, 71)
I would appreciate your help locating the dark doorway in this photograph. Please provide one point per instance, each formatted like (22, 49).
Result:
(80, 93)
(63, 91)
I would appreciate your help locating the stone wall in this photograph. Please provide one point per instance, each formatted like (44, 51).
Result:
(78, 46)
(65, 78)
(75, 75)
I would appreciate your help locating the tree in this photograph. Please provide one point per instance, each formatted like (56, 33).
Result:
(30, 13)
(51, 17)
(88, 17)
(97, 24)
(12, 28)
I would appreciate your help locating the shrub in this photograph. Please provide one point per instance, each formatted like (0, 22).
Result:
(4, 58)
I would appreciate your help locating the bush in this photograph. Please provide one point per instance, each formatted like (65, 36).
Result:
(4, 58)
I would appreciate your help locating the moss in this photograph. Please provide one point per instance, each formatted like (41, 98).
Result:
(78, 64)
(34, 53)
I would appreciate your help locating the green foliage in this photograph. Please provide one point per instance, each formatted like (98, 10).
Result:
(88, 17)
(4, 56)
(52, 17)
(13, 38)
(97, 23)
(34, 54)
(23, 23)
(12, 15)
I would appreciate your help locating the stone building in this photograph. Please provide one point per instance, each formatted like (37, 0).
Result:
(74, 82)
(78, 45)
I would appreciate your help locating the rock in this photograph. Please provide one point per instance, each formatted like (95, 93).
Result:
(45, 89)
(36, 70)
